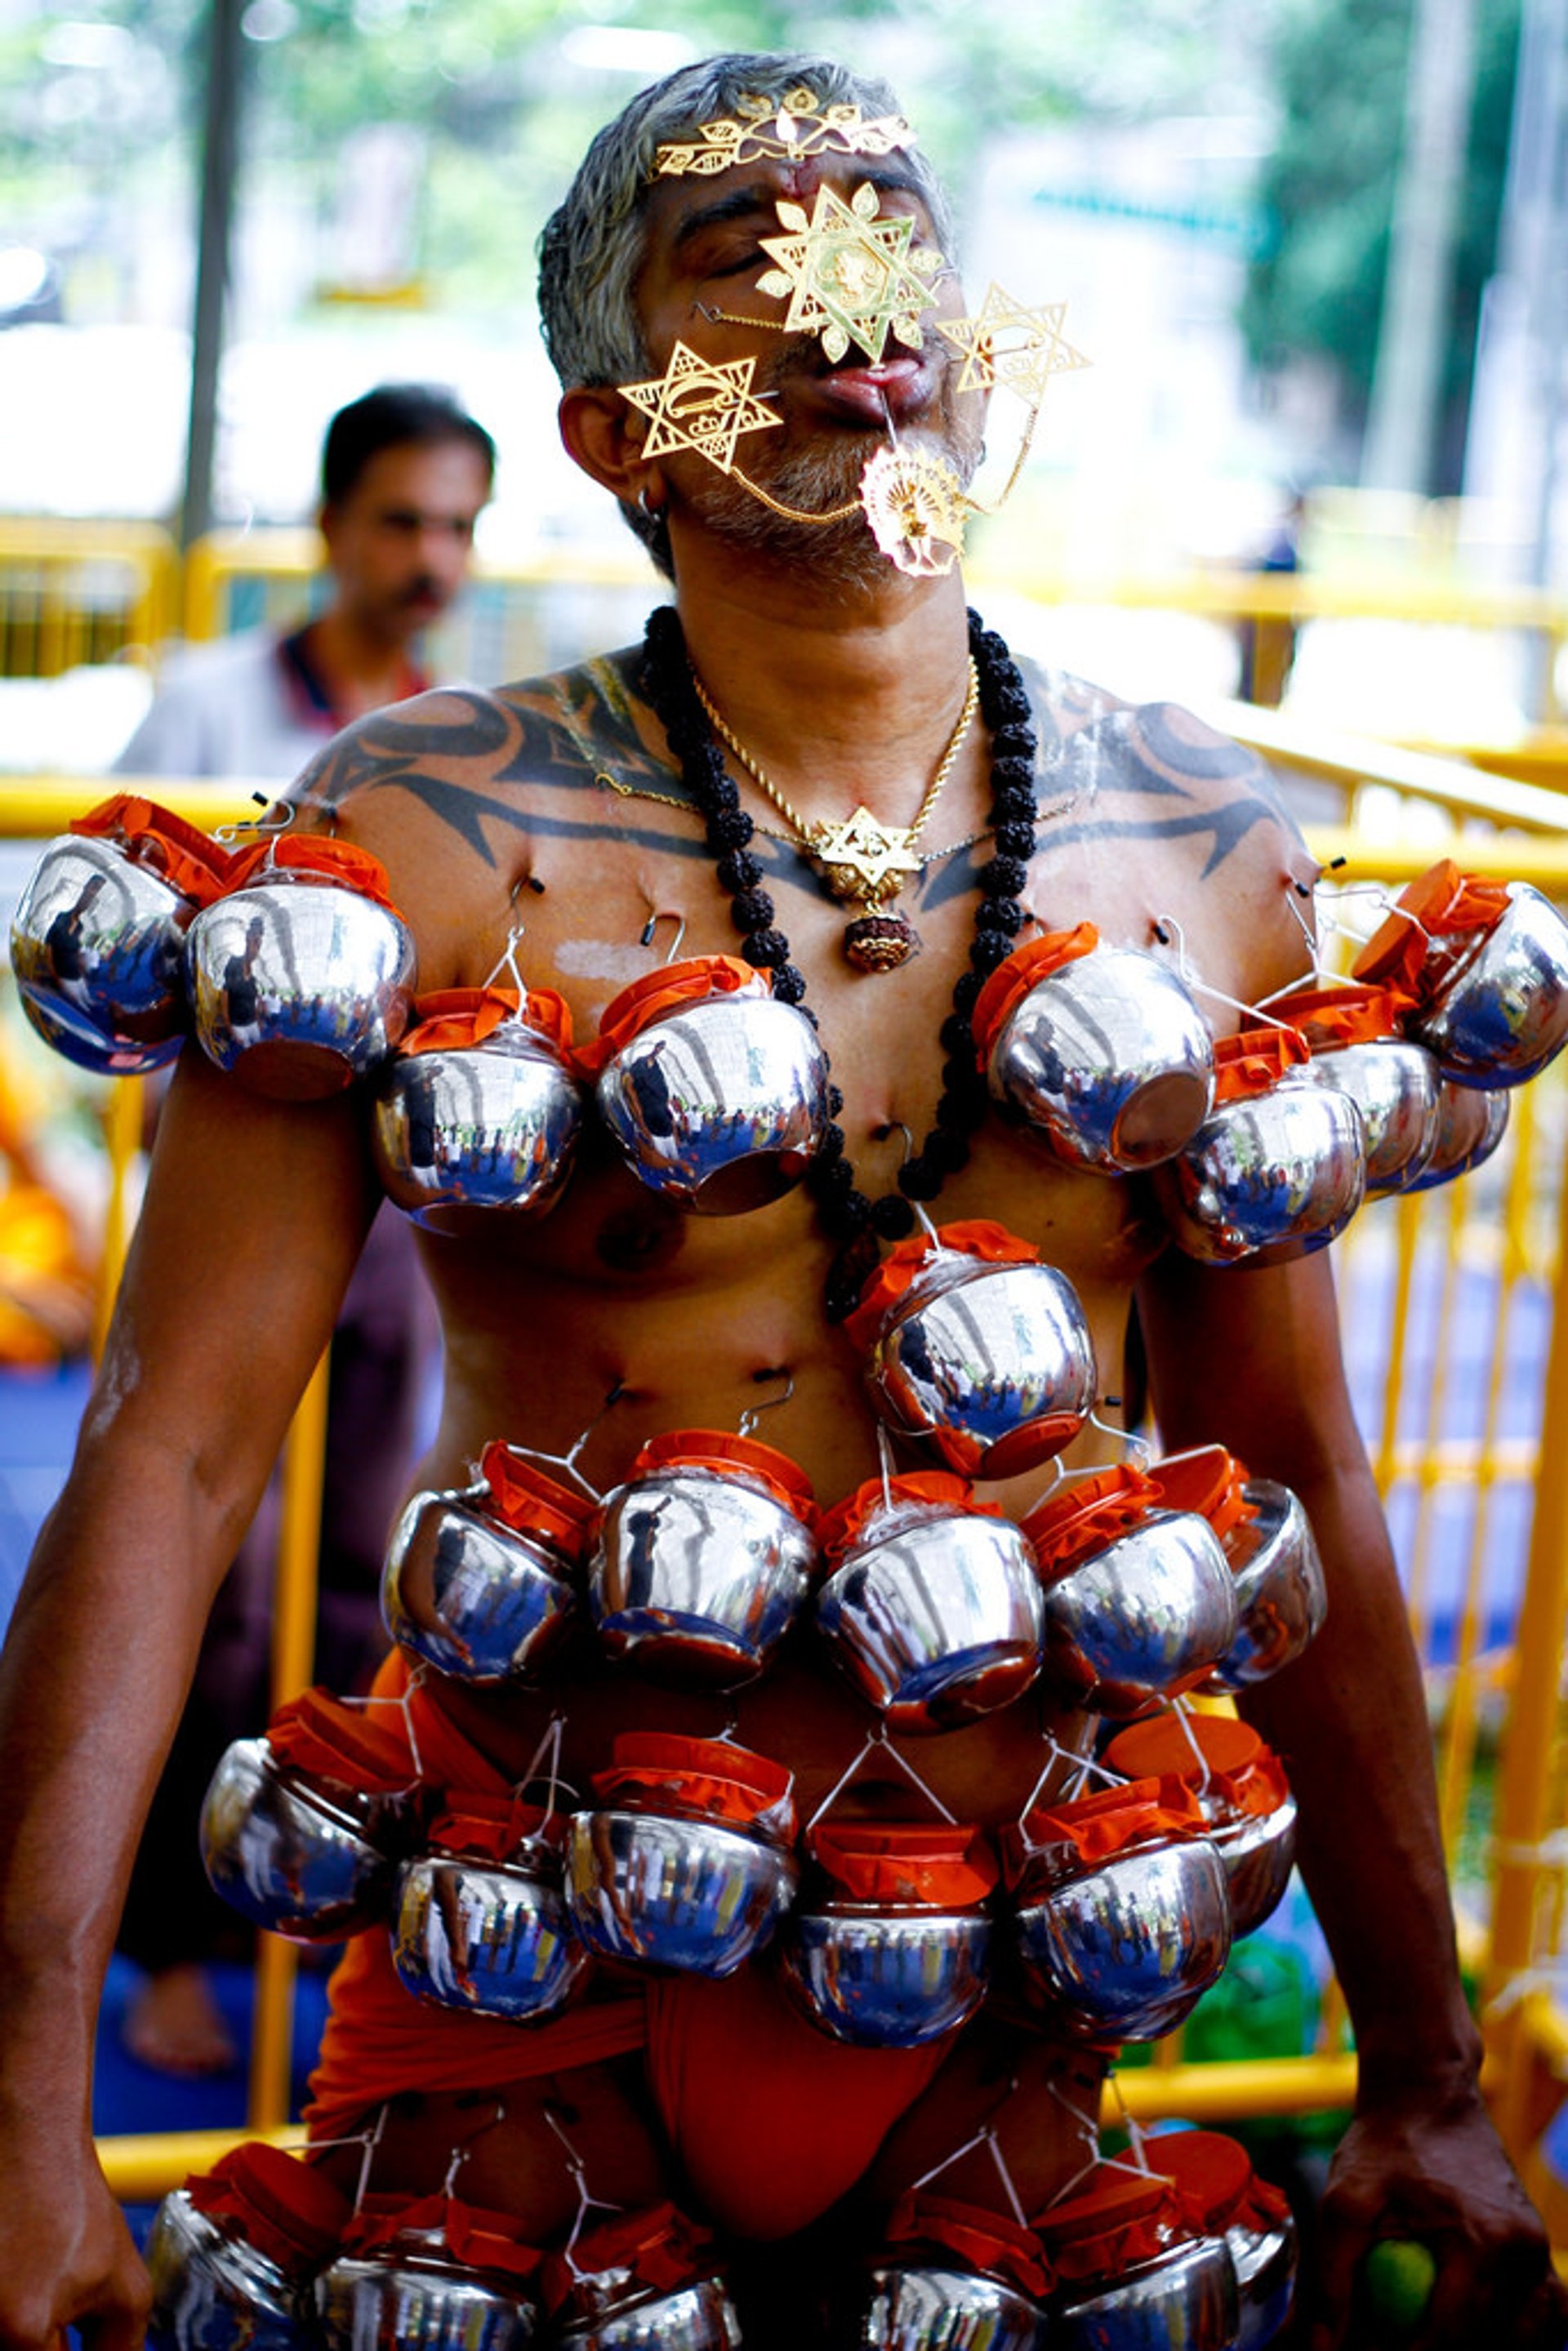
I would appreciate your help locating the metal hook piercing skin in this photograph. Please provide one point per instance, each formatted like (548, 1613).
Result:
(400, 1698)
(1126, 1436)
(1318, 974)
(370, 2140)
(1082, 1767)
(568, 1460)
(508, 961)
(586, 2202)
(258, 829)
(555, 1730)
(665, 914)
(1180, 1710)
(465, 2147)
(1164, 923)
(754, 1412)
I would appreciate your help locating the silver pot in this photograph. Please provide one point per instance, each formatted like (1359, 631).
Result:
(910, 2307)
(1395, 1086)
(698, 1574)
(482, 1601)
(1471, 1125)
(212, 2290)
(492, 1126)
(299, 986)
(1285, 1166)
(720, 1103)
(489, 1936)
(990, 1367)
(1496, 1009)
(419, 2299)
(695, 2317)
(1185, 2296)
(936, 1616)
(1123, 1948)
(1141, 1615)
(1259, 1851)
(310, 1858)
(694, 1894)
(1265, 2258)
(1281, 1598)
(96, 941)
(1109, 1059)
(886, 1977)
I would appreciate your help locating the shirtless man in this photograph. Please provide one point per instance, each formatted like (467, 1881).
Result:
(844, 677)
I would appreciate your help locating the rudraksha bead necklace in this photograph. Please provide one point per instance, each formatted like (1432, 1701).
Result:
(851, 1220)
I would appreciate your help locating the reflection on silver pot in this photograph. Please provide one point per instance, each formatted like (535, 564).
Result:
(905, 2306)
(1279, 1164)
(934, 1608)
(890, 1947)
(231, 2256)
(480, 1108)
(643, 2281)
(411, 2279)
(1139, 1600)
(1495, 1002)
(481, 1920)
(684, 1863)
(704, 1558)
(478, 1581)
(302, 1830)
(97, 943)
(1215, 2177)
(1102, 1050)
(1281, 1595)
(1122, 1913)
(1471, 1125)
(296, 984)
(977, 1350)
(1239, 1785)
(715, 1090)
(1142, 2274)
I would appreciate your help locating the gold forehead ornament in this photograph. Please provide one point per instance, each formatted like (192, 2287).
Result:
(780, 131)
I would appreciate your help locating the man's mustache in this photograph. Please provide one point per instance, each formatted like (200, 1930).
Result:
(422, 589)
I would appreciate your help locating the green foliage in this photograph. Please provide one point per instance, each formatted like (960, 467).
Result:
(1340, 69)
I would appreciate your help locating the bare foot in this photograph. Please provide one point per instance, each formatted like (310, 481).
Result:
(175, 2024)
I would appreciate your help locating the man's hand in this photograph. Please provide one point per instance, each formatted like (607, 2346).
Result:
(67, 2259)
(1436, 2172)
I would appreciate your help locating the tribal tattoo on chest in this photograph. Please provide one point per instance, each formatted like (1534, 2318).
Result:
(564, 758)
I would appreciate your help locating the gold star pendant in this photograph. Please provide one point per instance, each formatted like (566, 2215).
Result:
(861, 860)
(1007, 343)
(699, 404)
(916, 508)
(849, 275)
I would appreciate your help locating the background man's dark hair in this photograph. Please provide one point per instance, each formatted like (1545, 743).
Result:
(389, 417)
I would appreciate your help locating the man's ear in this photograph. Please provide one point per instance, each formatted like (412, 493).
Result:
(604, 435)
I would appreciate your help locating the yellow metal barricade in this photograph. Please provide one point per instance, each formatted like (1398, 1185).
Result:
(1401, 1262)
(78, 593)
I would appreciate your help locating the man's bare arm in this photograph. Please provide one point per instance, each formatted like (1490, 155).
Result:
(254, 1217)
(1250, 1358)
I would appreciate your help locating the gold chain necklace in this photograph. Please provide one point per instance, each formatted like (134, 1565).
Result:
(863, 863)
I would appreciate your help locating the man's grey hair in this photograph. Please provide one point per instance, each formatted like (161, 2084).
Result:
(593, 246)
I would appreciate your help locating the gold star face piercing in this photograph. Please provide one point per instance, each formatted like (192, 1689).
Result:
(1011, 344)
(786, 130)
(701, 404)
(849, 275)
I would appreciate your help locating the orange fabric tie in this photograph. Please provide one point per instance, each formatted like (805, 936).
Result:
(842, 1527)
(1121, 2219)
(1329, 1017)
(660, 2245)
(1243, 1772)
(711, 1776)
(718, 1448)
(936, 1867)
(1253, 1060)
(479, 1825)
(317, 857)
(320, 1733)
(665, 990)
(1208, 1481)
(288, 2211)
(447, 1019)
(191, 863)
(1024, 969)
(989, 1244)
(986, 2241)
(1441, 903)
(476, 2239)
(1110, 1821)
(1088, 1513)
(524, 1499)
